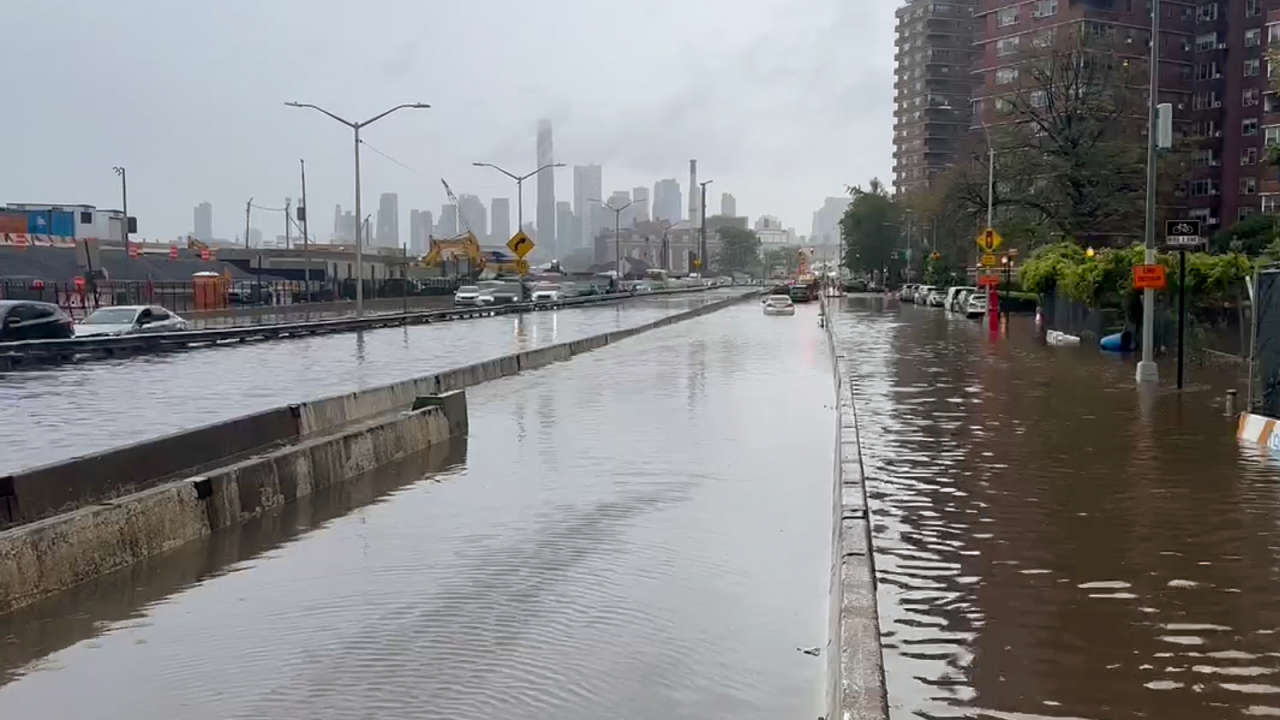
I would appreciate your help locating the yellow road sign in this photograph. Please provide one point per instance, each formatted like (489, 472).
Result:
(522, 266)
(520, 244)
(989, 240)
(989, 260)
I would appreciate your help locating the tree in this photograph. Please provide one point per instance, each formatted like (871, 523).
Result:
(871, 227)
(739, 250)
(781, 258)
(1250, 236)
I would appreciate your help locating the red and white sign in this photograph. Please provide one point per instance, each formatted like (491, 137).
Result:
(79, 281)
(206, 255)
(135, 250)
(173, 252)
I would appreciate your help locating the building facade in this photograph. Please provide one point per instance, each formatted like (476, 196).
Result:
(668, 204)
(202, 222)
(472, 216)
(500, 219)
(728, 204)
(640, 196)
(388, 232)
(934, 53)
(419, 231)
(588, 187)
(546, 190)
(448, 226)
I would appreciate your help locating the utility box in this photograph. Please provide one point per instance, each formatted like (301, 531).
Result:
(1164, 126)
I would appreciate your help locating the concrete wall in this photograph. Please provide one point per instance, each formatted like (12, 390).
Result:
(855, 663)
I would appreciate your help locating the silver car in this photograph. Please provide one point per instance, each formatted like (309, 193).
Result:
(129, 320)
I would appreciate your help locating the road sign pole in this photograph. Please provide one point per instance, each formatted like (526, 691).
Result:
(1182, 308)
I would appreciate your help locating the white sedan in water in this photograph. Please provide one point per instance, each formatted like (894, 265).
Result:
(779, 305)
(129, 320)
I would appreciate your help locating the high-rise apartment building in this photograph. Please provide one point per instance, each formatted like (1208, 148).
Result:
(448, 226)
(668, 204)
(640, 196)
(934, 55)
(620, 199)
(500, 219)
(471, 216)
(202, 222)
(565, 227)
(587, 189)
(546, 190)
(388, 233)
(419, 231)
(728, 205)
(826, 221)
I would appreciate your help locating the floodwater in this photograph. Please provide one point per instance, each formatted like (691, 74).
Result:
(69, 410)
(640, 532)
(1051, 543)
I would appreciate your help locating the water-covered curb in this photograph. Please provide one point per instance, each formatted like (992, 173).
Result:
(855, 662)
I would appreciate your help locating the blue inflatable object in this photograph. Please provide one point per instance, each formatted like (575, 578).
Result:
(1117, 342)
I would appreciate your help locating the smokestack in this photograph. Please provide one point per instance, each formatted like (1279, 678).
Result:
(693, 193)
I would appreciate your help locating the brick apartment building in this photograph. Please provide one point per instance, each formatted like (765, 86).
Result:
(1213, 71)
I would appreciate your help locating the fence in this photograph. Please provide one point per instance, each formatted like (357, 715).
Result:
(1264, 384)
(79, 298)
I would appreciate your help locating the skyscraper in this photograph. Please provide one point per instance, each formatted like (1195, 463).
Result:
(419, 229)
(388, 234)
(667, 203)
(500, 220)
(826, 221)
(728, 205)
(448, 221)
(694, 218)
(202, 225)
(546, 191)
(564, 226)
(587, 184)
(471, 216)
(617, 199)
(640, 196)
(344, 225)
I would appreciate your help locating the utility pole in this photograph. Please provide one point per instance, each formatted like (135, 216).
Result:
(247, 207)
(302, 210)
(702, 226)
(1147, 369)
(355, 127)
(124, 206)
(287, 221)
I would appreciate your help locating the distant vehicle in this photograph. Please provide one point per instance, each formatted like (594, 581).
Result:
(936, 297)
(471, 295)
(907, 292)
(779, 305)
(32, 320)
(977, 305)
(724, 280)
(961, 300)
(507, 294)
(129, 320)
(642, 288)
(545, 292)
(921, 294)
(952, 293)
(855, 285)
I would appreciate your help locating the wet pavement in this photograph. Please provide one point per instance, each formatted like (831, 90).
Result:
(1049, 542)
(640, 532)
(68, 410)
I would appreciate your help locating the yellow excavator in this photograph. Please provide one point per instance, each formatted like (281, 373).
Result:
(465, 246)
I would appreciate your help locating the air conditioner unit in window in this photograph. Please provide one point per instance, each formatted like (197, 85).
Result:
(1222, 46)
(1217, 103)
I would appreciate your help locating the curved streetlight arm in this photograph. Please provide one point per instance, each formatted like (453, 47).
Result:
(344, 121)
(511, 175)
(379, 116)
(544, 167)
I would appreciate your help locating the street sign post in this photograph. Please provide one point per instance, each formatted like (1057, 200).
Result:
(520, 244)
(1181, 235)
(989, 240)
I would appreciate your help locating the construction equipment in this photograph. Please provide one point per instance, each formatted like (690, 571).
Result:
(479, 262)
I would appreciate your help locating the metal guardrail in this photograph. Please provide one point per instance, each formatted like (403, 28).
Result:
(26, 353)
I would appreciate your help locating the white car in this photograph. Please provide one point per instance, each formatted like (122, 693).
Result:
(545, 292)
(921, 296)
(129, 320)
(977, 305)
(954, 294)
(779, 305)
(471, 295)
(936, 298)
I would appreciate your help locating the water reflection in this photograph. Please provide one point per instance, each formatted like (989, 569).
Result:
(1052, 543)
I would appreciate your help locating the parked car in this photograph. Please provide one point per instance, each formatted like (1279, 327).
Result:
(937, 297)
(506, 294)
(977, 305)
(907, 292)
(954, 292)
(921, 295)
(961, 301)
(471, 295)
(33, 320)
(545, 292)
(779, 305)
(129, 320)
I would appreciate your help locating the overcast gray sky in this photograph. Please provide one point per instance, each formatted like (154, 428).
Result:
(783, 102)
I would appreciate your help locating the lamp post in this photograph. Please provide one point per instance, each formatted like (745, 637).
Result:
(702, 226)
(617, 236)
(1147, 370)
(355, 127)
(124, 206)
(519, 187)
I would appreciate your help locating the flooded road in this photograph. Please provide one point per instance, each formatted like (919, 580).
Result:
(1049, 542)
(69, 410)
(641, 532)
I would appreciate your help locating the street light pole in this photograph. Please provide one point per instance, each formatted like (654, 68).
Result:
(124, 206)
(519, 186)
(247, 207)
(355, 127)
(702, 226)
(306, 258)
(1147, 370)
(617, 236)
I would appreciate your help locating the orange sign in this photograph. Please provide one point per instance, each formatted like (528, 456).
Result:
(988, 281)
(1149, 277)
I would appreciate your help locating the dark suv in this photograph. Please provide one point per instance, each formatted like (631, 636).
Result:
(31, 320)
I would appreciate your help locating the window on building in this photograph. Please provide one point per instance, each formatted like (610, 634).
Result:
(1252, 8)
(1007, 46)
(1249, 126)
(1244, 212)
(1248, 185)
(1271, 135)
(1045, 8)
(1208, 71)
(1250, 97)
(1253, 37)
(1270, 102)
(1006, 75)
(1203, 187)
(1202, 157)
(1207, 41)
(1248, 156)
(1039, 98)
(1207, 12)
(1007, 16)
(1273, 33)
(1271, 204)
(1252, 66)
(1043, 39)
(1003, 106)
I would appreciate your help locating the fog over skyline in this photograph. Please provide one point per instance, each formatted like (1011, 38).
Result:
(782, 102)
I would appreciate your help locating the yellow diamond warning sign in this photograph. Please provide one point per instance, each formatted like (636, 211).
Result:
(520, 244)
(989, 240)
